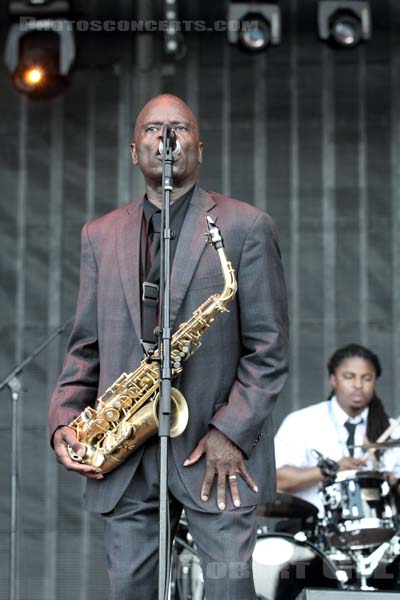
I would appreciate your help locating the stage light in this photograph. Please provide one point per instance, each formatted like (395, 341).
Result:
(173, 37)
(34, 76)
(38, 8)
(254, 26)
(344, 23)
(39, 55)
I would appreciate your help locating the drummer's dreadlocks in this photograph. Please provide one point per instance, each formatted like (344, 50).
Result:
(378, 420)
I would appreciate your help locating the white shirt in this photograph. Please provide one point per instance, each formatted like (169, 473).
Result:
(321, 426)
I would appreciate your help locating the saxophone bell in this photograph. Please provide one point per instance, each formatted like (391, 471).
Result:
(109, 450)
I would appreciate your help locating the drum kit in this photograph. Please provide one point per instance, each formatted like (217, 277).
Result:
(354, 546)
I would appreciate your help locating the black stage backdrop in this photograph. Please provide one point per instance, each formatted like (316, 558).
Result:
(306, 132)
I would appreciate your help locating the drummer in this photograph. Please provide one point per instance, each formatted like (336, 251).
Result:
(352, 414)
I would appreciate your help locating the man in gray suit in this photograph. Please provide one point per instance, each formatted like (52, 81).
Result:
(222, 466)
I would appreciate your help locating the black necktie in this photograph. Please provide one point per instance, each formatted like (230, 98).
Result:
(351, 427)
(153, 245)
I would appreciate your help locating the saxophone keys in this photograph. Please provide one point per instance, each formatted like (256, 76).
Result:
(111, 414)
(109, 444)
(125, 401)
(86, 414)
(77, 457)
(97, 459)
(99, 425)
(126, 430)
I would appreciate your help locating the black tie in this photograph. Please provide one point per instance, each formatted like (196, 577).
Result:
(351, 427)
(153, 246)
(152, 273)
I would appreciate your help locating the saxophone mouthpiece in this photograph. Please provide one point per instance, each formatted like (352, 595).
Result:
(214, 234)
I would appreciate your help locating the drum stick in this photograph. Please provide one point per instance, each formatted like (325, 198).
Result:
(382, 438)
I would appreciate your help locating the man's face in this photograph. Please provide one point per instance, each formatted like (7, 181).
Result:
(354, 384)
(167, 110)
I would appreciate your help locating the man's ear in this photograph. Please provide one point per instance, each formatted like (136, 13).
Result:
(333, 381)
(200, 154)
(134, 153)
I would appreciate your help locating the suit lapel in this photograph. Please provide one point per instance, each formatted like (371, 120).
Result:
(128, 252)
(191, 245)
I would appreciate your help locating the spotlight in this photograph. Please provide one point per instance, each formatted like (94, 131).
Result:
(254, 26)
(38, 7)
(39, 55)
(40, 47)
(173, 37)
(344, 23)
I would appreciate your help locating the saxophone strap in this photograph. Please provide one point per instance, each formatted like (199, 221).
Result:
(150, 259)
(150, 295)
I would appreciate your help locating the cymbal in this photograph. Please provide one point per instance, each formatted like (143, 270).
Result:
(378, 446)
(286, 505)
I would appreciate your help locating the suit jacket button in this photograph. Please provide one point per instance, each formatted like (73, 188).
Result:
(258, 438)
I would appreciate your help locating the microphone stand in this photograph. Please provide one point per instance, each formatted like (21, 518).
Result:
(165, 373)
(15, 386)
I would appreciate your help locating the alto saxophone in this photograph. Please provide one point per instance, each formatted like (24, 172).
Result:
(126, 414)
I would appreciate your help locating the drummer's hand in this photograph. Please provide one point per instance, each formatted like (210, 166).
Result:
(66, 436)
(348, 463)
(224, 460)
(393, 479)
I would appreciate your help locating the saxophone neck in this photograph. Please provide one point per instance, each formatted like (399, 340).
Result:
(214, 237)
(230, 283)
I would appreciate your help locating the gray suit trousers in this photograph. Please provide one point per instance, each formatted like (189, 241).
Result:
(224, 541)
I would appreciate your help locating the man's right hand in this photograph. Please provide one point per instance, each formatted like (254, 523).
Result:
(349, 463)
(66, 436)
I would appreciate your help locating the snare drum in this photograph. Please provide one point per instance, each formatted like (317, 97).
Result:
(359, 509)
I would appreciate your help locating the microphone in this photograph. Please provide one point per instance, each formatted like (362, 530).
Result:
(173, 144)
(328, 467)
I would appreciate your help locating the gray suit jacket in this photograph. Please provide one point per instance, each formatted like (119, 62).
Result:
(233, 380)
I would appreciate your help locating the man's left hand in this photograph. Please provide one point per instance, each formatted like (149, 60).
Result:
(224, 460)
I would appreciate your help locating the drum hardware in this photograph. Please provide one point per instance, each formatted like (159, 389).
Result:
(262, 529)
(329, 535)
(190, 548)
(359, 509)
(326, 465)
(300, 536)
(366, 565)
(283, 566)
(346, 555)
(359, 532)
(343, 563)
(187, 577)
(376, 570)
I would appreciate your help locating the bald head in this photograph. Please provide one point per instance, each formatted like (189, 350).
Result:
(164, 102)
(159, 112)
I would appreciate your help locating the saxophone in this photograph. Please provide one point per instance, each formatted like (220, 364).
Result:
(126, 414)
